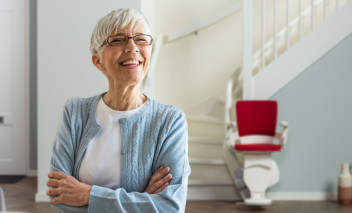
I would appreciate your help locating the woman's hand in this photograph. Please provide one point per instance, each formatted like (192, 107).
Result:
(159, 180)
(68, 190)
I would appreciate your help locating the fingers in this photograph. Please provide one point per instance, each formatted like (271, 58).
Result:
(161, 168)
(56, 175)
(161, 188)
(53, 191)
(53, 182)
(55, 200)
(159, 174)
(158, 180)
(160, 183)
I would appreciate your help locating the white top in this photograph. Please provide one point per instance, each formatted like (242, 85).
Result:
(101, 162)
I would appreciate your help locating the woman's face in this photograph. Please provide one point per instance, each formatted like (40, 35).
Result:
(125, 65)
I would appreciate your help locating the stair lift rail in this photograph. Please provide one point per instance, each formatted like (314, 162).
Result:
(232, 84)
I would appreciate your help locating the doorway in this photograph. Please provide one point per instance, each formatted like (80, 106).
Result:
(13, 87)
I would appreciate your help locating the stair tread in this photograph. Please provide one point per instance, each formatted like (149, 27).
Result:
(207, 140)
(205, 161)
(209, 182)
(209, 175)
(204, 118)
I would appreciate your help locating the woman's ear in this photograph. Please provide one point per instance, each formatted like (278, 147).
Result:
(98, 63)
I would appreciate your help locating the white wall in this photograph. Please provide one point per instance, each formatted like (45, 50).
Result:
(195, 68)
(318, 107)
(64, 65)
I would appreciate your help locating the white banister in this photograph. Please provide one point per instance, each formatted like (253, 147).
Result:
(294, 26)
(247, 48)
(324, 37)
(228, 102)
(260, 56)
(204, 23)
(229, 88)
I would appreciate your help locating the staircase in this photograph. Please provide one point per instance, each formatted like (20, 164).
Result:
(209, 169)
(313, 31)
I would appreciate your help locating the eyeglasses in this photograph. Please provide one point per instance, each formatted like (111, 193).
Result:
(122, 40)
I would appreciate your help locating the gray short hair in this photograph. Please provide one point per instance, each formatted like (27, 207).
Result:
(112, 22)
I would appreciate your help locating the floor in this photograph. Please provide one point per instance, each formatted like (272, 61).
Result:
(20, 197)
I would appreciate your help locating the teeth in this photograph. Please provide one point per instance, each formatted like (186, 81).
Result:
(130, 63)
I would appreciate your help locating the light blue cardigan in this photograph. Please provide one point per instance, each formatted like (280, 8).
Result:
(154, 136)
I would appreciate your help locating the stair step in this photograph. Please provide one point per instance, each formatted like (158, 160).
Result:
(206, 151)
(209, 175)
(205, 140)
(205, 119)
(205, 126)
(203, 161)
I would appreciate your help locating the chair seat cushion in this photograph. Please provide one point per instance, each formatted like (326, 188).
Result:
(258, 147)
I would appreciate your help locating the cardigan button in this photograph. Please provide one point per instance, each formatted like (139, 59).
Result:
(123, 152)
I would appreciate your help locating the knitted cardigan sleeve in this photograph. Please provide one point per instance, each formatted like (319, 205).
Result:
(62, 159)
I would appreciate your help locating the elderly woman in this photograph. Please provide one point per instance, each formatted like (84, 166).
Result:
(120, 151)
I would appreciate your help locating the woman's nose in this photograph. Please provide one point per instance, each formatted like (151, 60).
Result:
(131, 46)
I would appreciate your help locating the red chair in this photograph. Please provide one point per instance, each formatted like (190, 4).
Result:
(256, 123)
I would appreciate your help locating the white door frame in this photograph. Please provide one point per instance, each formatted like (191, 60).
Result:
(29, 172)
(22, 71)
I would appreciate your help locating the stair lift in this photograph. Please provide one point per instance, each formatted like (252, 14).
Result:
(256, 124)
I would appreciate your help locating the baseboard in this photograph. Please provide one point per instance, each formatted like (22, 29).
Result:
(32, 173)
(41, 197)
(212, 193)
(229, 193)
(308, 196)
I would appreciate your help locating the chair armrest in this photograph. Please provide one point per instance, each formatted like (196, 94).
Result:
(284, 124)
(230, 125)
(282, 136)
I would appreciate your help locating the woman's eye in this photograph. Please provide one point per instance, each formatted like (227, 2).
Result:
(118, 40)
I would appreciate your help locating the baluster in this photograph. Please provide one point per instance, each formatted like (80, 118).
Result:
(263, 33)
(247, 48)
(299, 19)
(287, 24)
(275, 29)
(324, 9)
(312, 14)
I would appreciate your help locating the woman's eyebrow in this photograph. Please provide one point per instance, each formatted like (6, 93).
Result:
(119, 34)
(123, 34)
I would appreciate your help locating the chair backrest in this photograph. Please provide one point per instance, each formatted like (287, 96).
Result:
(256, 117)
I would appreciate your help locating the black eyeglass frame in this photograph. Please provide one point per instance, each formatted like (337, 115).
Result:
(106, 41)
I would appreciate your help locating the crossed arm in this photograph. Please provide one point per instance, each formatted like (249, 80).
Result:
(68, 190)
(161, 194)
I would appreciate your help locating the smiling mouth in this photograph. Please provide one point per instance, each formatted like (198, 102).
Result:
(131, 63)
